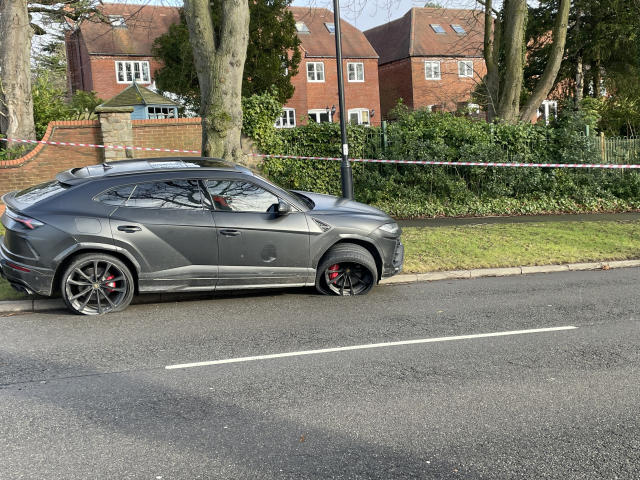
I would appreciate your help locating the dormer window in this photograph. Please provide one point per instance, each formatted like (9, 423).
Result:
(458, 29)
(301, 27)
(117, 21)
(331, 27)
(437, 28)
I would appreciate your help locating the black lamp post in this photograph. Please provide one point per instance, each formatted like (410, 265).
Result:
(345, 167)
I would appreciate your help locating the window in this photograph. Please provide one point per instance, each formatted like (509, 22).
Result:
(38, 193)
(236, 196)
(162, 112)
(437, 28)
(178, 194)
(301, 27)
(320, 115)
(432, 70)
(359, 116)
(458, 29)
(117, 21)
(548, 110)
(126, 72)
(465, 68)
(355, 72)
(331, 27)
(287, 119)
(315, 71)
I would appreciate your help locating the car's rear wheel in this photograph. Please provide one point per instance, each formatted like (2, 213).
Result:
(346, 269)
(94, 284)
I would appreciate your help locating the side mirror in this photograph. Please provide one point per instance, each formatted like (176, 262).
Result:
(283, 208)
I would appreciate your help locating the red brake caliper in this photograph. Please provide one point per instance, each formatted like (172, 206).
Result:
(111, 285)
(333, 269)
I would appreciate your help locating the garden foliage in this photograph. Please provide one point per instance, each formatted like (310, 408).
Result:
(415, 190)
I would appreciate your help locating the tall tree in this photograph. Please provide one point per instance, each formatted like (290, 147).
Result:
(505, 57)
(219, 51)
(16, 104)
(273, 55)
(19, 21)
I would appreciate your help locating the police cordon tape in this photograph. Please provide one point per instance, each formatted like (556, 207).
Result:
(614, 166)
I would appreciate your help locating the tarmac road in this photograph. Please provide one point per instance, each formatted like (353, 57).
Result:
(84, 397)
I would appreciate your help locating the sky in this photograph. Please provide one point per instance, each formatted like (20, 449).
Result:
(366, 14)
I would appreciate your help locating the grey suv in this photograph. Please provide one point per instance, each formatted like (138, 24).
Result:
(101, 233)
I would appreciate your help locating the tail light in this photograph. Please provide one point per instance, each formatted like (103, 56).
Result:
(28, 222)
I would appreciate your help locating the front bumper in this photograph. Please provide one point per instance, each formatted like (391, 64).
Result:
(393, 258)
(35, 279)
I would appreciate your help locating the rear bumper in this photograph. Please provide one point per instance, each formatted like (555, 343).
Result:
(36, 279)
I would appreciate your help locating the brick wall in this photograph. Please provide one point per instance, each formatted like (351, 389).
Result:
(177, 133)
(395, 84)
(45, 161)
(406, 79)
(103, 74)
(450, 89)
(319, 95)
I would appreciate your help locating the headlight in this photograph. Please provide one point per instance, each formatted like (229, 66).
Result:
(391, 228)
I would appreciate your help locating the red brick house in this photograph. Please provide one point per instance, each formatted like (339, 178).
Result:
(316, 85)
(430, 57)
(107, 58)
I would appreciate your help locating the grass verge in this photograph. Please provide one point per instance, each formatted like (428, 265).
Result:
(501, 245)
(510, 245)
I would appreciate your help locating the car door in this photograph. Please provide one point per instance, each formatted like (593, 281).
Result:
(165, 226)
(257, 246)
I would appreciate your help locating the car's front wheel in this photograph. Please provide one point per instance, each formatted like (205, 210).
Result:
(96, 283)
(346, 269)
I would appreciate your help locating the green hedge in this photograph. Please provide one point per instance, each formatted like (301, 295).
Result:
(415, 191)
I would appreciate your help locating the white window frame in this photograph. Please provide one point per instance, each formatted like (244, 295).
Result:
(432, 63)
(130, 66)
(355, 71)
(117, 21)
(318, 111)
(155, 112)
(287, 119)
(316, 73)
(359, 112)
(466, 65)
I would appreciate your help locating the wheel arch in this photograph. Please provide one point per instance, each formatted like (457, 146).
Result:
(367, 244)
(66, 260)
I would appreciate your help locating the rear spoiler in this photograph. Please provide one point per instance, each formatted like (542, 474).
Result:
(68, 178)
(8, 200)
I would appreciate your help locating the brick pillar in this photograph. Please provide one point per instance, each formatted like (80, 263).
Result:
(115, 123)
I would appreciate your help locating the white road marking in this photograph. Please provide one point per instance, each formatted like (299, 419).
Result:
(367, 346)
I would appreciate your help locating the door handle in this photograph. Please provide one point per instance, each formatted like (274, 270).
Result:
(230, 233)
(129, 228)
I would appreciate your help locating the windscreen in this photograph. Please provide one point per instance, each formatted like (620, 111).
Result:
(37, 193)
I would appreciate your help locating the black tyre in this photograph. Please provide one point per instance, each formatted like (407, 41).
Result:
(346, 269)
(96, 283)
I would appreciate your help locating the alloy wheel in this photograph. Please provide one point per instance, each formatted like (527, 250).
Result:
(95, 287)
(348, 278)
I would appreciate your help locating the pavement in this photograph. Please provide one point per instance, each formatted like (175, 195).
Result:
(529, 376)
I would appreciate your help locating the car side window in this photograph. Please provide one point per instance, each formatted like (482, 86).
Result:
(116, 196)
(239, 196)
(175, 194)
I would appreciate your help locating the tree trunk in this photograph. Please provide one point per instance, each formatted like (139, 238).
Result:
(219, 64)
(546, 82)
(16, 103)
(515, 16)
(579, 81)
(492, 39)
